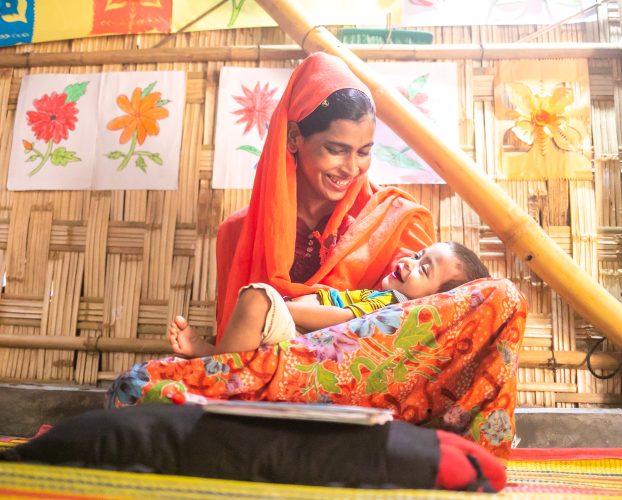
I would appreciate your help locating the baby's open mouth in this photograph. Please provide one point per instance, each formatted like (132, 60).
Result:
(397, 273)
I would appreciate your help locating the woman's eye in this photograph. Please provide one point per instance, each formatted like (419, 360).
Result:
(334, 151)
(365, 152)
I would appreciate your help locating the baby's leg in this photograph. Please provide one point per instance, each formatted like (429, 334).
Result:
(186, 341)
(243, 333)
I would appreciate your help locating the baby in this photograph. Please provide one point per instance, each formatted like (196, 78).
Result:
(262, 317)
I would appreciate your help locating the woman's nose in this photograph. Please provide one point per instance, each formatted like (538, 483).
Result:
(351, 165)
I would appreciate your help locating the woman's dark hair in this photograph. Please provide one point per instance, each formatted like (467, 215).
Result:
(469, 263)
(343, 104)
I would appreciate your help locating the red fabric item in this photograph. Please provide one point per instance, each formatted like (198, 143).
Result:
(257, 244)
(457, 472)
(42, 430)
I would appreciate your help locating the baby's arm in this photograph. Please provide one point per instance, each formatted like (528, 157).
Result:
(314, 316)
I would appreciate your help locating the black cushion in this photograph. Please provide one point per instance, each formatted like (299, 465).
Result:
(184, 440)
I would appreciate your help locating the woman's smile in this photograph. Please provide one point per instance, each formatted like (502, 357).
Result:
(339, 183)
(329, 162)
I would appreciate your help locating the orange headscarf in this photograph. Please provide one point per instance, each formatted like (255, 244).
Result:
(258, 245)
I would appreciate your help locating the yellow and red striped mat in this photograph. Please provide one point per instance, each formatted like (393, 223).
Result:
(557, 473)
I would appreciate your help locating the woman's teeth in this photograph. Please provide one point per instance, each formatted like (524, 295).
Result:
(339, 181)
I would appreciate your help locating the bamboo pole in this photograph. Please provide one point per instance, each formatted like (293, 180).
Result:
(527, 359)
(516, 228)
(472, 51)
(93, 344)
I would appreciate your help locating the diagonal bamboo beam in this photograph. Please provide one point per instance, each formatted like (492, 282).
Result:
(516, 228)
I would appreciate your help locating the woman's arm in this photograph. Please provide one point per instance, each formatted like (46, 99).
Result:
(312, 316)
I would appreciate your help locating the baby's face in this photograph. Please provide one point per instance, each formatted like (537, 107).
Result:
(425, 272)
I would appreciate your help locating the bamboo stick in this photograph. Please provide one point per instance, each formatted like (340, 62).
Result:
(491, 51)
(92, 344)
(516, 228)
(552, 359)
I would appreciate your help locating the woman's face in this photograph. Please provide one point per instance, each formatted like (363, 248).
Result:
(330, 161)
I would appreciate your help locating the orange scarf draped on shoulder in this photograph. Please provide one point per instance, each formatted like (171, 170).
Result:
(257, 244)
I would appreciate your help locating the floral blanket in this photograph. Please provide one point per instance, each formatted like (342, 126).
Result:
(447, 361)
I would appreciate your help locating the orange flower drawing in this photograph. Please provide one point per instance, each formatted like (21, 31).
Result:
(141, 120)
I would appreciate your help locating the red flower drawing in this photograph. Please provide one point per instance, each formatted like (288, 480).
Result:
(257, 108)
(53, 117)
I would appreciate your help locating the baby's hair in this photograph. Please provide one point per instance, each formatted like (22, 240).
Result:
(469, 263)
(343, 104)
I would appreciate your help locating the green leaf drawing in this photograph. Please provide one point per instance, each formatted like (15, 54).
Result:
(397, 157)
(141, 164)
(355, 367)
(417, 85)
(304, 368)
(162, 102)
(250, 149)
(413, 333)
(148, 89)
(400, 373)
(475, 426)
(75, 91)
(33, 157)
(235, 12)
(154, 157)
(327, 379)
(377, 380)
(115, 155)
(60, 156)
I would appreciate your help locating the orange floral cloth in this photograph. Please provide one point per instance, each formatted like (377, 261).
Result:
(257, 244)
(446, 361)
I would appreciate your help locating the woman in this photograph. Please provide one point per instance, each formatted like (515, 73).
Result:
(447, 361)
(314, 218)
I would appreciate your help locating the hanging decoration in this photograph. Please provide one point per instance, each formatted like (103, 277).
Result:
(27, 21)
(543, 112)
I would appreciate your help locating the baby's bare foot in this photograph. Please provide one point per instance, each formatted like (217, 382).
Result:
(186, 341)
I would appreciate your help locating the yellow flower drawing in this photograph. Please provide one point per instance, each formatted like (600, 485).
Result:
(551, 124)
(541, 118)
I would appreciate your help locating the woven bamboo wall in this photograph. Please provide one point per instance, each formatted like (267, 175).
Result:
(121, 264)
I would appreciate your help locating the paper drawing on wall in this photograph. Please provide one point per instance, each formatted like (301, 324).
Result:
(246, 100)
(55, 114)
(401, 158)
(545, 120)
(257, 107)
(141, 119)
(116, 130)
(432, 89)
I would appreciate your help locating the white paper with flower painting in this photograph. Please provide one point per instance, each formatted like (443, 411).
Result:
(140, 123)
(433, 89)
(98, 131)
(246, 99)
(54, 132)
